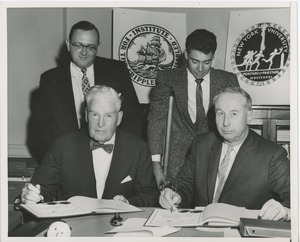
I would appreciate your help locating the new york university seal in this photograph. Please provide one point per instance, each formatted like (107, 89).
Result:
(146, 49)
(261, 54)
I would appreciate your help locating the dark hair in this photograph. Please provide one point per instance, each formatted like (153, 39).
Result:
(84, 25)
(201, 40)
(236, 90)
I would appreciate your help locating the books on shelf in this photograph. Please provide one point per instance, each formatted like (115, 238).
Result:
(215, 215)
(78, 205)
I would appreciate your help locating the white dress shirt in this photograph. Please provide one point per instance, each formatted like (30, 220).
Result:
(192, 85)
(101, 163)
(76, 76)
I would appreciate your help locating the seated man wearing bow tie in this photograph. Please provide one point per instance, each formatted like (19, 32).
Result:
(104, 162)
(235, 166)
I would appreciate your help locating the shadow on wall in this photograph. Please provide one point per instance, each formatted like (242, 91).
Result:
(34, 142)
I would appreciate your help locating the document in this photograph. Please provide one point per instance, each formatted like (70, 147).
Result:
(78, 205)
(215, 215)
(134, 227)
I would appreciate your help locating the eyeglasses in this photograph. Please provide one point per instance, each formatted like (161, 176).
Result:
(79, 46)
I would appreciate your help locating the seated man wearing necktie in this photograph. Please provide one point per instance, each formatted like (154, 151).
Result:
(235, 166)
(105, 162)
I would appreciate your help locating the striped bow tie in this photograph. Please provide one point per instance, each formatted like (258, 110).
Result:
(106, 147)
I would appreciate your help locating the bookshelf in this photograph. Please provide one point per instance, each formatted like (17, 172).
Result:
(273, 123)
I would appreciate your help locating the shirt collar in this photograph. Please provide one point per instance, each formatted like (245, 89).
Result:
(191, 78)
(76, 69)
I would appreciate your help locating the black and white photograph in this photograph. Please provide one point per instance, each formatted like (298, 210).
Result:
(150, 121)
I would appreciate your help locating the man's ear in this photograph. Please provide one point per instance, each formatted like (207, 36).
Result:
(68, 44)
(249, 116)
(120, 116)
(86, 115)
(186, 55)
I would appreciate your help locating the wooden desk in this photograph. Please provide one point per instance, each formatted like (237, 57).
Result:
(98, 225)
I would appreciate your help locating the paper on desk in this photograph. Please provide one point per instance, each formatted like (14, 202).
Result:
(135, 227)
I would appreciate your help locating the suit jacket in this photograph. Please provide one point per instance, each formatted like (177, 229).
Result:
(67, 170)
(174, 82)
(261, 171)
(56, 114)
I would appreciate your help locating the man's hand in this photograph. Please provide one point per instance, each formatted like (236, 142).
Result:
(31, 193)
(273, 210)
(120, 198)
(169, 199)
(159, 175)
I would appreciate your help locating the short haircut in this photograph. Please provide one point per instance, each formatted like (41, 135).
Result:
(98, 90)
(236, 90)
(86, 26)
(201, 40)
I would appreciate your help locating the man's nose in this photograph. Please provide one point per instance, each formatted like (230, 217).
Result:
(84, 50)
(101, 121)
(226, 120)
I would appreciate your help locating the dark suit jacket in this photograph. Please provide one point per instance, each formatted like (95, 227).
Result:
(56, 114)
(67, 170)
(261, 171)
(183, 130)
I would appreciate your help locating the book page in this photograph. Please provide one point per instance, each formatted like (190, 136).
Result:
(94, 205)
(54, 209)
(221, 214)
(164, 217)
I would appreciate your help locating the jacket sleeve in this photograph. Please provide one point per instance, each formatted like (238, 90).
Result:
(44, 115)
(279, 176)
(132, 117)
(158, 112)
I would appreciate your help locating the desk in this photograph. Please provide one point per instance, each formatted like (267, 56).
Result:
(96, 226)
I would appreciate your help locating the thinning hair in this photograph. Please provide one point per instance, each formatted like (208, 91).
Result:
(86, 26)
(236, 90)
(201, 40)
(99, 90)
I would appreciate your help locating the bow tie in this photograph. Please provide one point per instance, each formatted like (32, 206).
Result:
(107, 148)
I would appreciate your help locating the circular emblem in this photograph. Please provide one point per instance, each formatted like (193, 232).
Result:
(261, 54)
(146, 49)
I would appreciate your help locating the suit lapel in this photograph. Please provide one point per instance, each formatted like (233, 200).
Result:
(86, 166)
(181, 92)
(242, 159)
(213, 165)
(117, 167)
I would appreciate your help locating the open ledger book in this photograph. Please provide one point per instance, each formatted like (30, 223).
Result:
(78, 205)
(215, 215)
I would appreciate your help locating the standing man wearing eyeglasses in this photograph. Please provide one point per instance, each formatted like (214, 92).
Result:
(62, 89)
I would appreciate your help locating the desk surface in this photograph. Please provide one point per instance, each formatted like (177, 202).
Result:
(97, 225)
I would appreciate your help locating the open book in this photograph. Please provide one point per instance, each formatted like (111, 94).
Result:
(78, 205)
(215, 215)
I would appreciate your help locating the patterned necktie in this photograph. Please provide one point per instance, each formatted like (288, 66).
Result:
(85, 82)
(106, 147)
(200, 115)
(222, 173)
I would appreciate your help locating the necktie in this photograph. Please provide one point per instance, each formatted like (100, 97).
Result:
(200, 115)
(222, 174)
(106, 147)
(85, 82)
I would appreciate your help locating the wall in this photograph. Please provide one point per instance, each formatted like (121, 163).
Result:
(35, 40)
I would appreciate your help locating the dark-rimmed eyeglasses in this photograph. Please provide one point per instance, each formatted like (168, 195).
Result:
(79, 46)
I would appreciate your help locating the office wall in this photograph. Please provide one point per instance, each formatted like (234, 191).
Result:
(35, 44)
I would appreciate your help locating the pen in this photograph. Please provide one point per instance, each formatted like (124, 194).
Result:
(174, 189)
(41, 197)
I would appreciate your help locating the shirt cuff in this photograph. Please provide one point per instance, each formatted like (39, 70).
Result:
(156, 158)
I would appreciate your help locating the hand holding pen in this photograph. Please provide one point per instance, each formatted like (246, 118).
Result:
(169, 198)
(31, 193)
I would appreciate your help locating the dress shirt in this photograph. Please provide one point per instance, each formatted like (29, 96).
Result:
(192, 85)
(232, 158)
(76, 75)
(101, 163)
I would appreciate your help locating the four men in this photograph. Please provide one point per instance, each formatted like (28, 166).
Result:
(233, 165)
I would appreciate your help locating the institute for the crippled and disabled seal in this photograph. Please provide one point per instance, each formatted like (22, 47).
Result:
(261, 54)
(146, 49)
